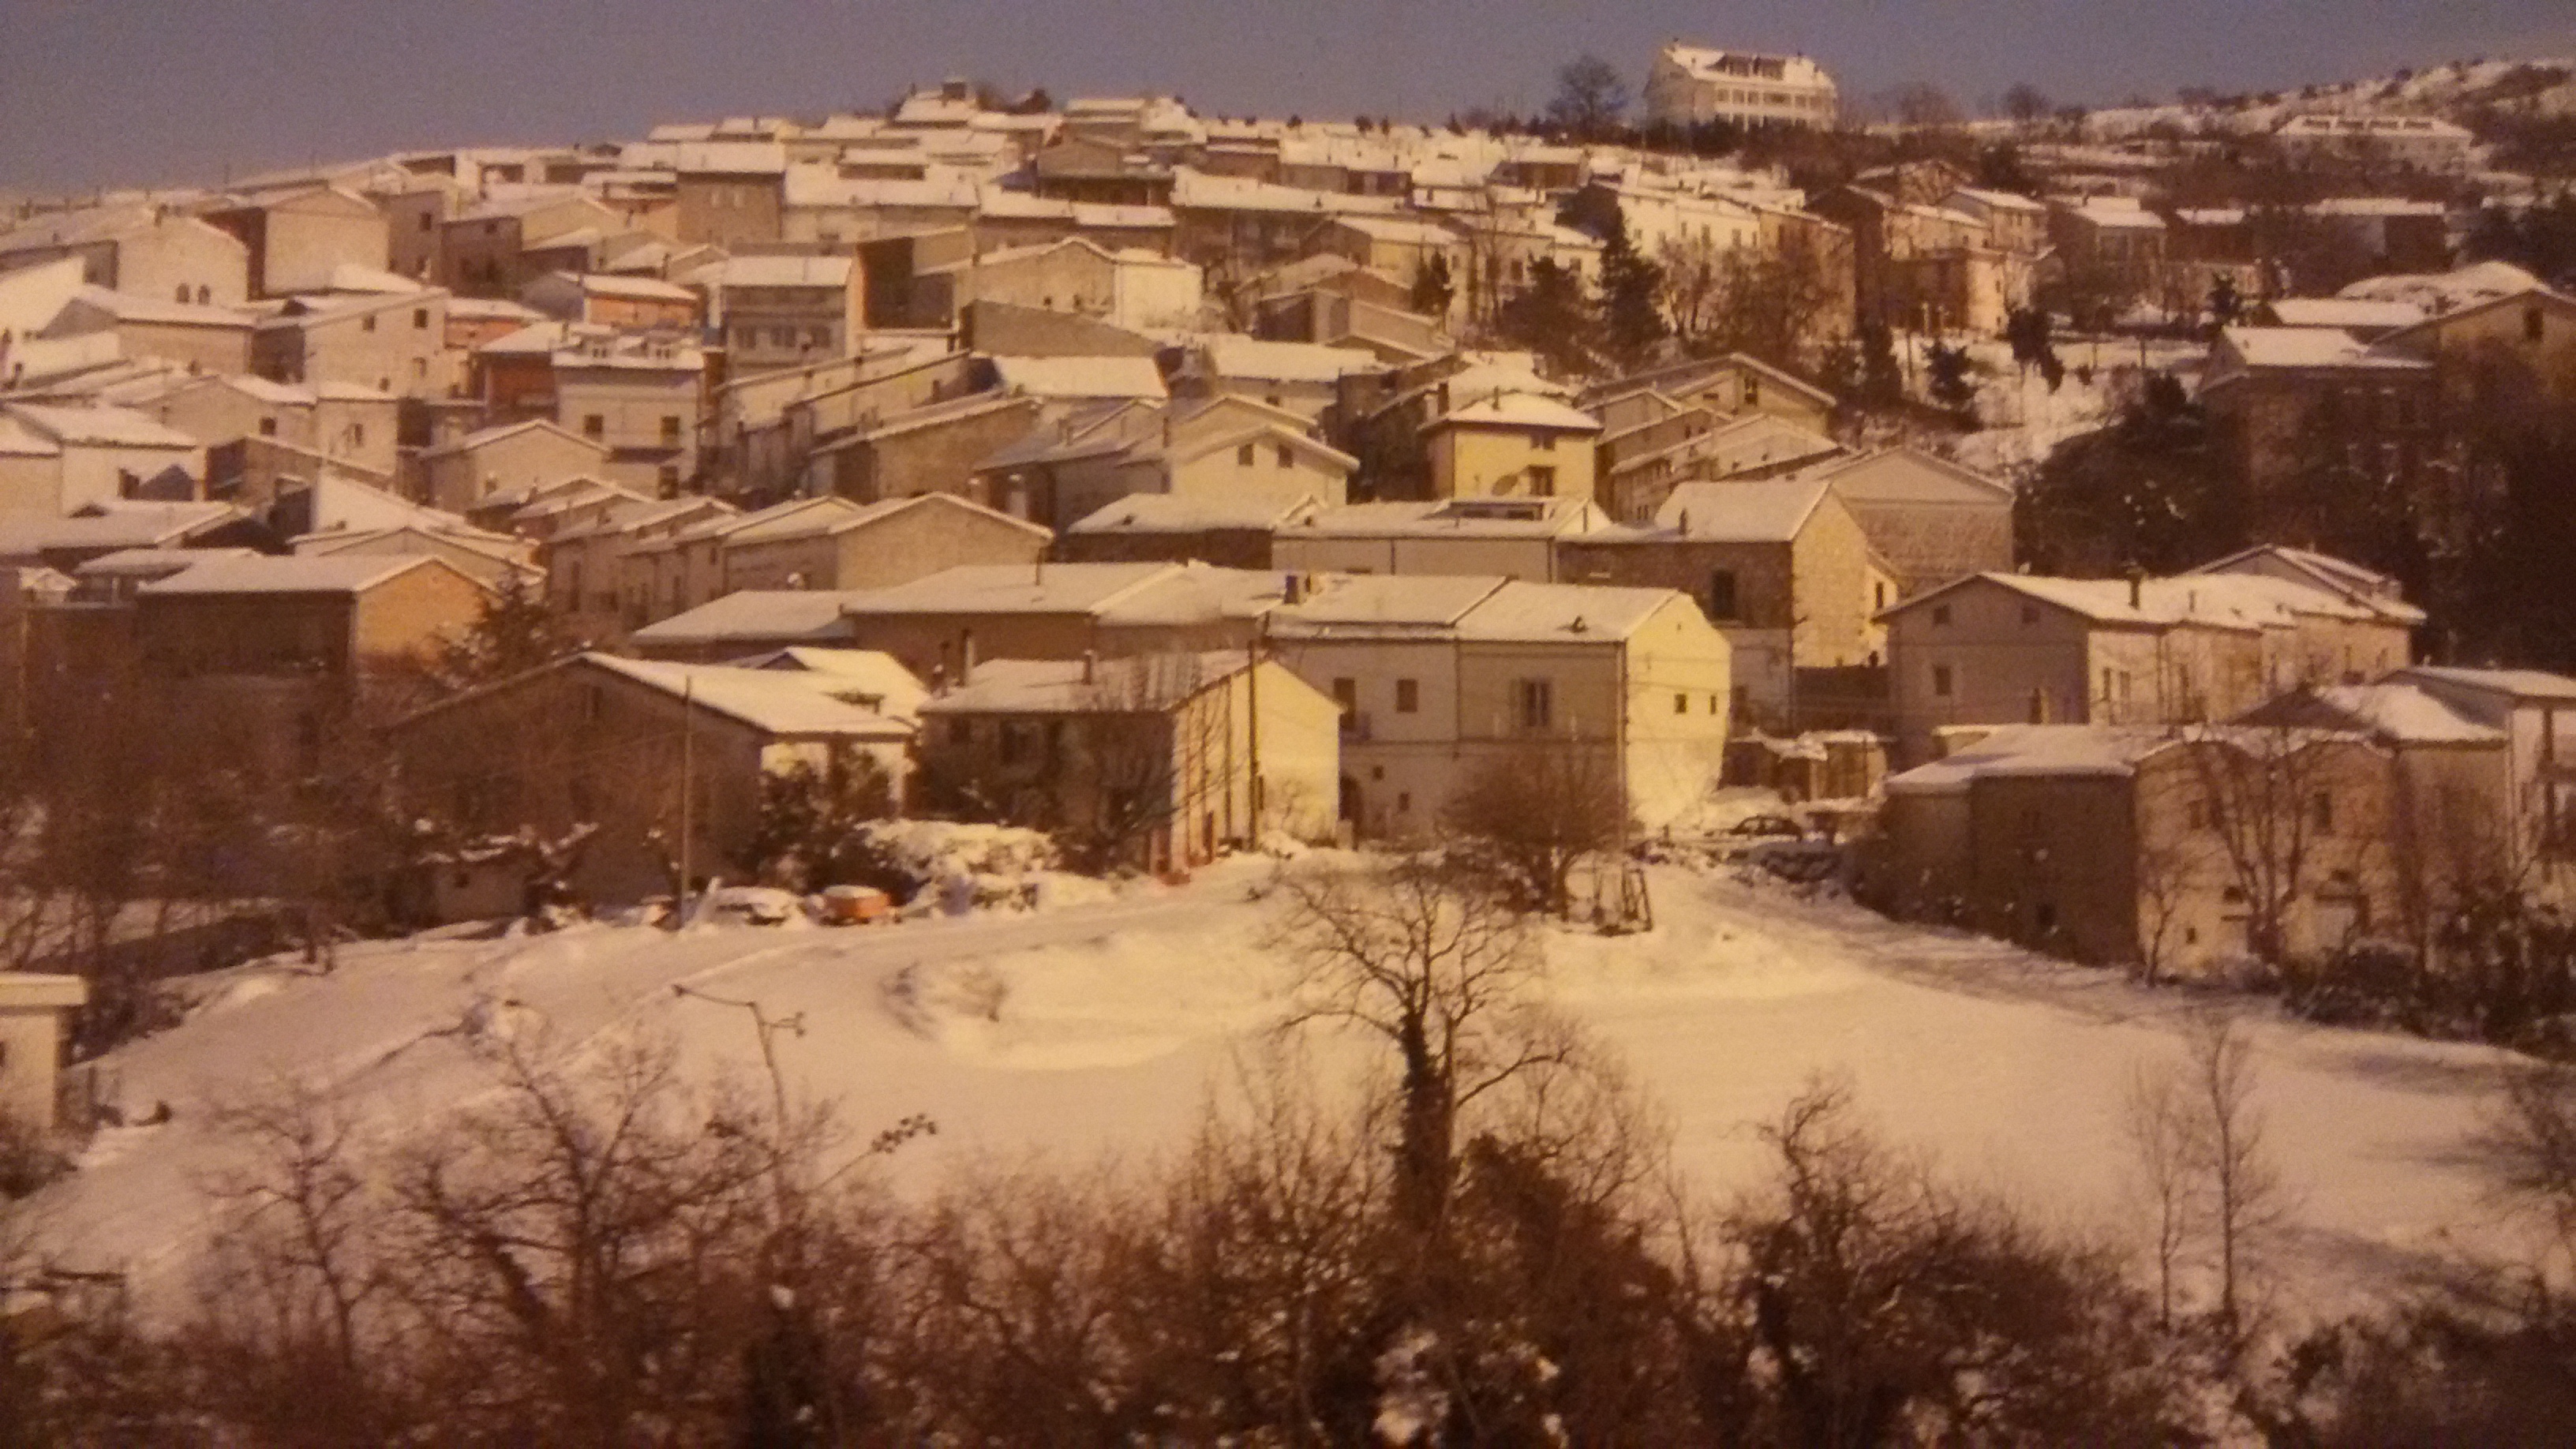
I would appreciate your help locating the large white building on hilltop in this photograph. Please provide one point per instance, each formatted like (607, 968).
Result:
(1692, 83)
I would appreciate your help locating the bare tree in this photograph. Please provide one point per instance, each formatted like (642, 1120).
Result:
(2247, 1200)
(2532, 1140)
(2273, 797)
(2162, 1136)
(1441, 971)
(1535, 810)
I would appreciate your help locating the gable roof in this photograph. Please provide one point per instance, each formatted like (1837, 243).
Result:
(1907, 474)
(489, 436)
(294, 574)
(1769, 510)
(2519, 684)
(1081, 377)
(2391, 710)
(1180, 513)
(2238, 602)
(754, 616)
(1148, 684)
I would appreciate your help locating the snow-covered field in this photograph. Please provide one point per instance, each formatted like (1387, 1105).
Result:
(1103, 1028)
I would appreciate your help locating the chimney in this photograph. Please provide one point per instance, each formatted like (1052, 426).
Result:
(2137, 586)
(1090, 663)
(966, 657)
(1292, 589)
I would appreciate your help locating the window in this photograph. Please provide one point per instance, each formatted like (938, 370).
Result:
(1346, 693)
(204, 295)
(1542, 482)
(1544, 442)
(357, 435)
(2534, 325)
(670, 427)
(1681, 704)
(2039, 706)
(367, 323)
(426, 221)
(2106, 686)
(1715, 704)
(1287, 457)
(420, 319)
(1535, 704)
(268, 427)
(1721, 594)
(1752, 390)
(1408, 696)
(1940, 616)
(1941, 681)
(594, 426)
(420, 369)
(1879, 594)
(782, 336)
(183, 293)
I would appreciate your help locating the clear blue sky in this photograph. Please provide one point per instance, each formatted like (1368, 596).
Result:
(111, 92)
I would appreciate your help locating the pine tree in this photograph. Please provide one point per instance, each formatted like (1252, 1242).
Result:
(515, 633)
(1549, 317)
(1949, 380)
(1631, 323)
(1432, 287)
(1882, 384)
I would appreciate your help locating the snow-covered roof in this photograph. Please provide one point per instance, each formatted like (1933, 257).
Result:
(2015, 750)
(109, 427)
(1148, 684)
(289, 574)
(2351, 312)
(1535, 613)
(2391, 710)
(1454, 518)
(152, 563)
(1182, 513)
(793, 704)
(2533, 684)
(1761, 511)
(754, 616)
(127, 307)
(1081, 377)
(2222, 601)
(1083, 588)
(1364, 605)
(2311, 347)
(1515, 410)
(1231, 355)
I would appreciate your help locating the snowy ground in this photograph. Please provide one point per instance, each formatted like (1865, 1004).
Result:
(1102, 1028)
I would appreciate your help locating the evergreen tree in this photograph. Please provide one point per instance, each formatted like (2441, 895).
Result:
(1550, 317)
(1881, 382)
(1951, 381)
(515, 633)
(1631, 323)
(1432, 286)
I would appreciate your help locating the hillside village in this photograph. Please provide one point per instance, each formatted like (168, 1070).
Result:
(2128, 542)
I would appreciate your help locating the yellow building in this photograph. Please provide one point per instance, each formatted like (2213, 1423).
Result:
(1511, 445)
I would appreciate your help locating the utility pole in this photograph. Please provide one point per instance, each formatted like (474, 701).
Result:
(688, 792)
(1252, 724)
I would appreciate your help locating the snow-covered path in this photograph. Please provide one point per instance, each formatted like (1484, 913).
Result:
(1102, 1030)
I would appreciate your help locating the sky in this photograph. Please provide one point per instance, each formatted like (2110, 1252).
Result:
(148, 92)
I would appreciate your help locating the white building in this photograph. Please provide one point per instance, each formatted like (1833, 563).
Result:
(1691, 83)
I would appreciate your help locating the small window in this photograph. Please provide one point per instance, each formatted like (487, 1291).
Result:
(1243, 456)
(1287, 456)
(1542, 482)
(1879, 595)
(420, 369)
(1536, 701)
(204, 295)
(1752, 390)
(1408, 696)
(1404, 802)
(1681, 704)
(367, 323)
(1544, 442)
(1941, 680)
(594, 426)
(183, 293)
(1940, 616)
(420, 319)
(426, 221)
(1721, 594)
(357, 435)
(2535, 326)
(670, 427)
(268, 427)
